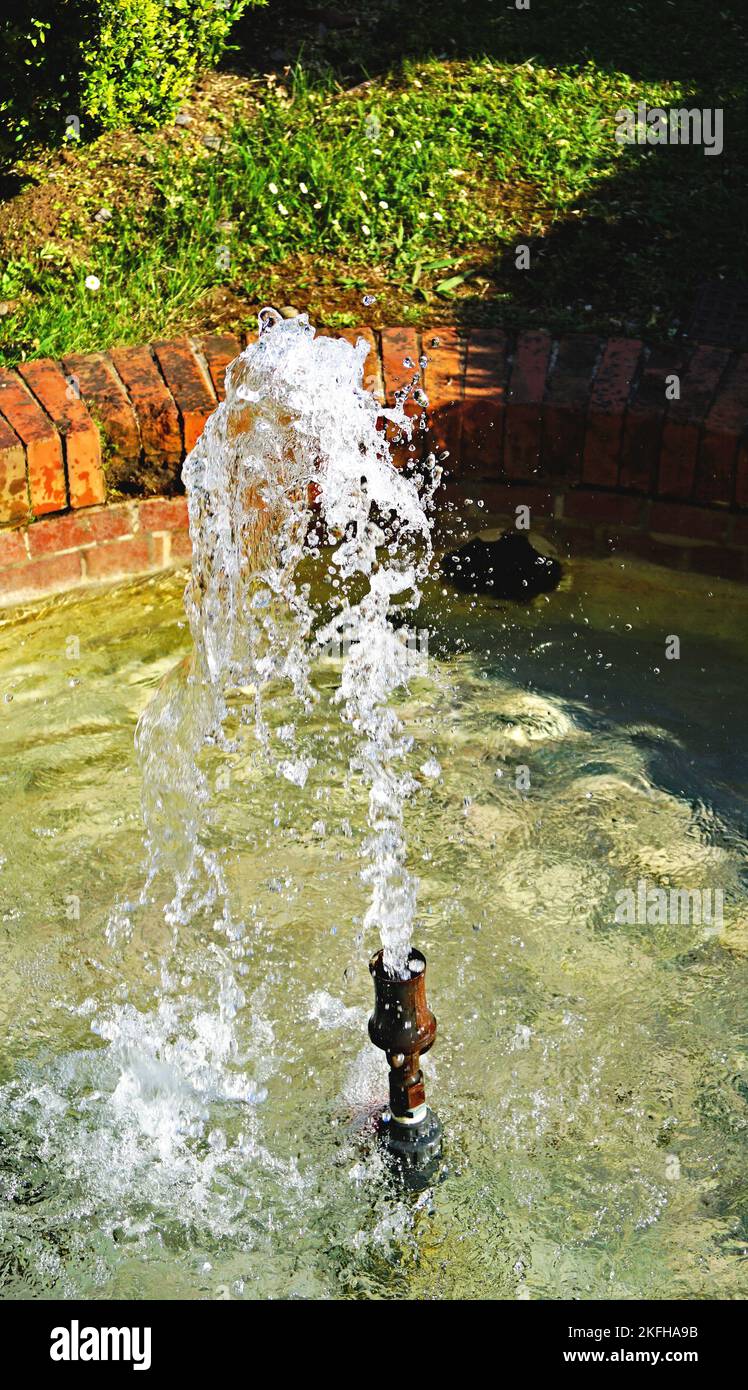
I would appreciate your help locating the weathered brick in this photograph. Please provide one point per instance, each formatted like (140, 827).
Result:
(109, 404)
(158, 417)
(160, 550)
(14, 493)
(567, 396)
(113, 558)
(484, 402)
(163, 514)
(684, 420)
(606, 411)
(498, 498)
(42, 442)
(699, 523)
(170, 548)
(717, 471)
(76, 529)
(219, 350)
(504, 498)
(642, 428)
(603, 507)
(181, 546)
(49, 575)
(13, 547)
(189, 385)
(524, 413)
(398, 346)
(443, 384)
(82, 445)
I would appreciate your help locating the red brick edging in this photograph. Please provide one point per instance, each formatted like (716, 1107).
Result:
(100, 543)
(582, 430)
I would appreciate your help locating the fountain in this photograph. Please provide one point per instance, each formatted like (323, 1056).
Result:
(190, 1113)
(292, 462)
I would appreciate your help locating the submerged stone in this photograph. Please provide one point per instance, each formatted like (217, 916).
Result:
(509, 567)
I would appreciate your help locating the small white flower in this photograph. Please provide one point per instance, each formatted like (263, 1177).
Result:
(416, 144)
(273, 188)
(438, 217)
(362, 196)
(366, 230)
(317, 205)
(283, 210)
(92, 282)
(382, 203)
(303, 188)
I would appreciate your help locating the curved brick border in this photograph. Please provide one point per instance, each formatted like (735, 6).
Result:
(580, 429)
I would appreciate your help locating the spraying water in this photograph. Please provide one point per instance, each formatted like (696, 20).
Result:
(292, 477)
(291, 462)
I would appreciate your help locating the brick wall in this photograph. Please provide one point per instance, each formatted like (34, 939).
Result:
(105, 542)
(580, 429)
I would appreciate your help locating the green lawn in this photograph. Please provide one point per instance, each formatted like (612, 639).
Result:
(415, 188)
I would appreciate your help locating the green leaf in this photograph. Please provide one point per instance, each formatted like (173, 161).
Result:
(446, 286)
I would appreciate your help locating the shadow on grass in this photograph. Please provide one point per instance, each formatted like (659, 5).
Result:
(671, 218)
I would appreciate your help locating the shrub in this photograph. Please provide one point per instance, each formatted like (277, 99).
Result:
(109, 63)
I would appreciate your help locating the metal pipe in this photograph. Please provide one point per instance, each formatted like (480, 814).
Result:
(403, 1026)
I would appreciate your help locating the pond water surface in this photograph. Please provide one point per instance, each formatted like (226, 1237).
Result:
(591, 1075)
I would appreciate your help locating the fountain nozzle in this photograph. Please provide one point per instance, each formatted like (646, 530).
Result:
(403, 1026)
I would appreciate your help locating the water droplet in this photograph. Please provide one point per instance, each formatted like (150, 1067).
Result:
(268, 318)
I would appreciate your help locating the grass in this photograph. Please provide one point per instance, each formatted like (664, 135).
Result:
(415, 187)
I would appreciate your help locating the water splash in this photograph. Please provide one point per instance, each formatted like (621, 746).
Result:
(292, 462)
(292, 479)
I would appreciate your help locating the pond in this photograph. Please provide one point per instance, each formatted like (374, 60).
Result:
(590, 1069)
